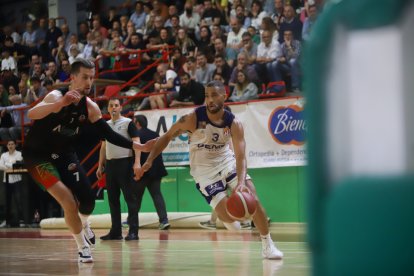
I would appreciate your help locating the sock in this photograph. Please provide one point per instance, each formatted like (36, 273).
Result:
(266, 238)
(80, 239)
(232, 226)
(84, 219)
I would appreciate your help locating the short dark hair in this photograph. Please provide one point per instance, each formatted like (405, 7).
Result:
(81, 62)
(34, 78)
(185, 74)
(219, 86)
(142, 120)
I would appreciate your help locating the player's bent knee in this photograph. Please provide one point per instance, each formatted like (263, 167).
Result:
(86, 208)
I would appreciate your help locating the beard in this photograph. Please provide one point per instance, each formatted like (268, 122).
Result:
(215, 108)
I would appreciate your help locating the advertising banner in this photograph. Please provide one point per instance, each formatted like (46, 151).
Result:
(274, 131)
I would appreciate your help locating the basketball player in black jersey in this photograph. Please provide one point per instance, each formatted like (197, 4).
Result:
(49, 150)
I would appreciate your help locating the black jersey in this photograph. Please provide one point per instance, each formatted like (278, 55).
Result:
(57, 132)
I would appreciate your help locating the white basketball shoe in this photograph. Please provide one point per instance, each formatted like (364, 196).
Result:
(269, 251)
(85, 255)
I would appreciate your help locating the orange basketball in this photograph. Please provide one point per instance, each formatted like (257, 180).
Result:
(241, 205)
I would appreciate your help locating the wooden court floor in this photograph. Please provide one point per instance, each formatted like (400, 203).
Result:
(172, 252)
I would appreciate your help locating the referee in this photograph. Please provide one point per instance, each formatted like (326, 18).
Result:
(117, 163)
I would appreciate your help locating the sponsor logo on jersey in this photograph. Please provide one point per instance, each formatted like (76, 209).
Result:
(287, 125)
(82, 118)
(210, 147)
(226, 132)
(72, 167)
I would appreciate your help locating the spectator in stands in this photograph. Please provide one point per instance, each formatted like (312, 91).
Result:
(51, 71)
(234, 37)
(254, 34)
(217, 32)
(18, 116)
(108, 19)
(242, 65)
(222, 68)
(83, 31)
(60, 53)
(244, 89)
(160, 9)
(73, 40)
(172, 11)
(8, 78)
(190, 67)
(41, 32)
(52, 34)
(64, 71)
(8, 61)
(309, 22)
(278, 16)
(266, 62)
(220, 49)
(191, 92)
(177, 61)
(23, 89)
(138, 17)
(289, 60)
(97, 27)
(102, 44)
(257, 14)
(249, 48)
(35, 92)
(291, 23)
(89, 51)
(245, 21)
(184, 43)
(166, 38)
(204, 71)
(38, 72)
(170, 82)
(175, 26)
(158, 25)
(204, 44)
(189, 19)
(29, 37)
(269, 25)
(4, 96)
(211, 14)
(12, 91)
(65, 33)
(74, 53)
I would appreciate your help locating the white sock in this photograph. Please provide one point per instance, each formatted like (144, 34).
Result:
(266, 238)
(80, 239)
(232, 226)
(84, 219)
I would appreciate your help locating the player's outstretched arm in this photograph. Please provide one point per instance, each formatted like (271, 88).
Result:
(239, 145)
(53, 103)
(186, 123)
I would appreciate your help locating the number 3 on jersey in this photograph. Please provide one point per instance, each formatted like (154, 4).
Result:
(215, 137)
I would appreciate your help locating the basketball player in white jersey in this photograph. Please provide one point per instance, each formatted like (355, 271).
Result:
(213, 164)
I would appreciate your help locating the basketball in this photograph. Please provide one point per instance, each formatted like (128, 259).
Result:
(241, 205)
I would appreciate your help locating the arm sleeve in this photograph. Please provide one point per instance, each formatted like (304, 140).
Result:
(106, 132)
(133, 130)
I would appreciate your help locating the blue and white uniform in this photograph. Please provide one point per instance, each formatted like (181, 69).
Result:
(212, 161)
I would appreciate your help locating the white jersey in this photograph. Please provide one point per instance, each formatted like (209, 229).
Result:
(210, 151)
(120, 126)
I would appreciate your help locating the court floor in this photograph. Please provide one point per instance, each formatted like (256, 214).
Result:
(172, 252)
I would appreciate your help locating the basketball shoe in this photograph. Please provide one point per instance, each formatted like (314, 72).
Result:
(269, 251)
(89, 234)
(207, 224)
(85, 255)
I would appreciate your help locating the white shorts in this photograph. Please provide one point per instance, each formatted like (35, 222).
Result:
(215, 190)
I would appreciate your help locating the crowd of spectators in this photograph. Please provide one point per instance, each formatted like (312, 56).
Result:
(244, 43)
